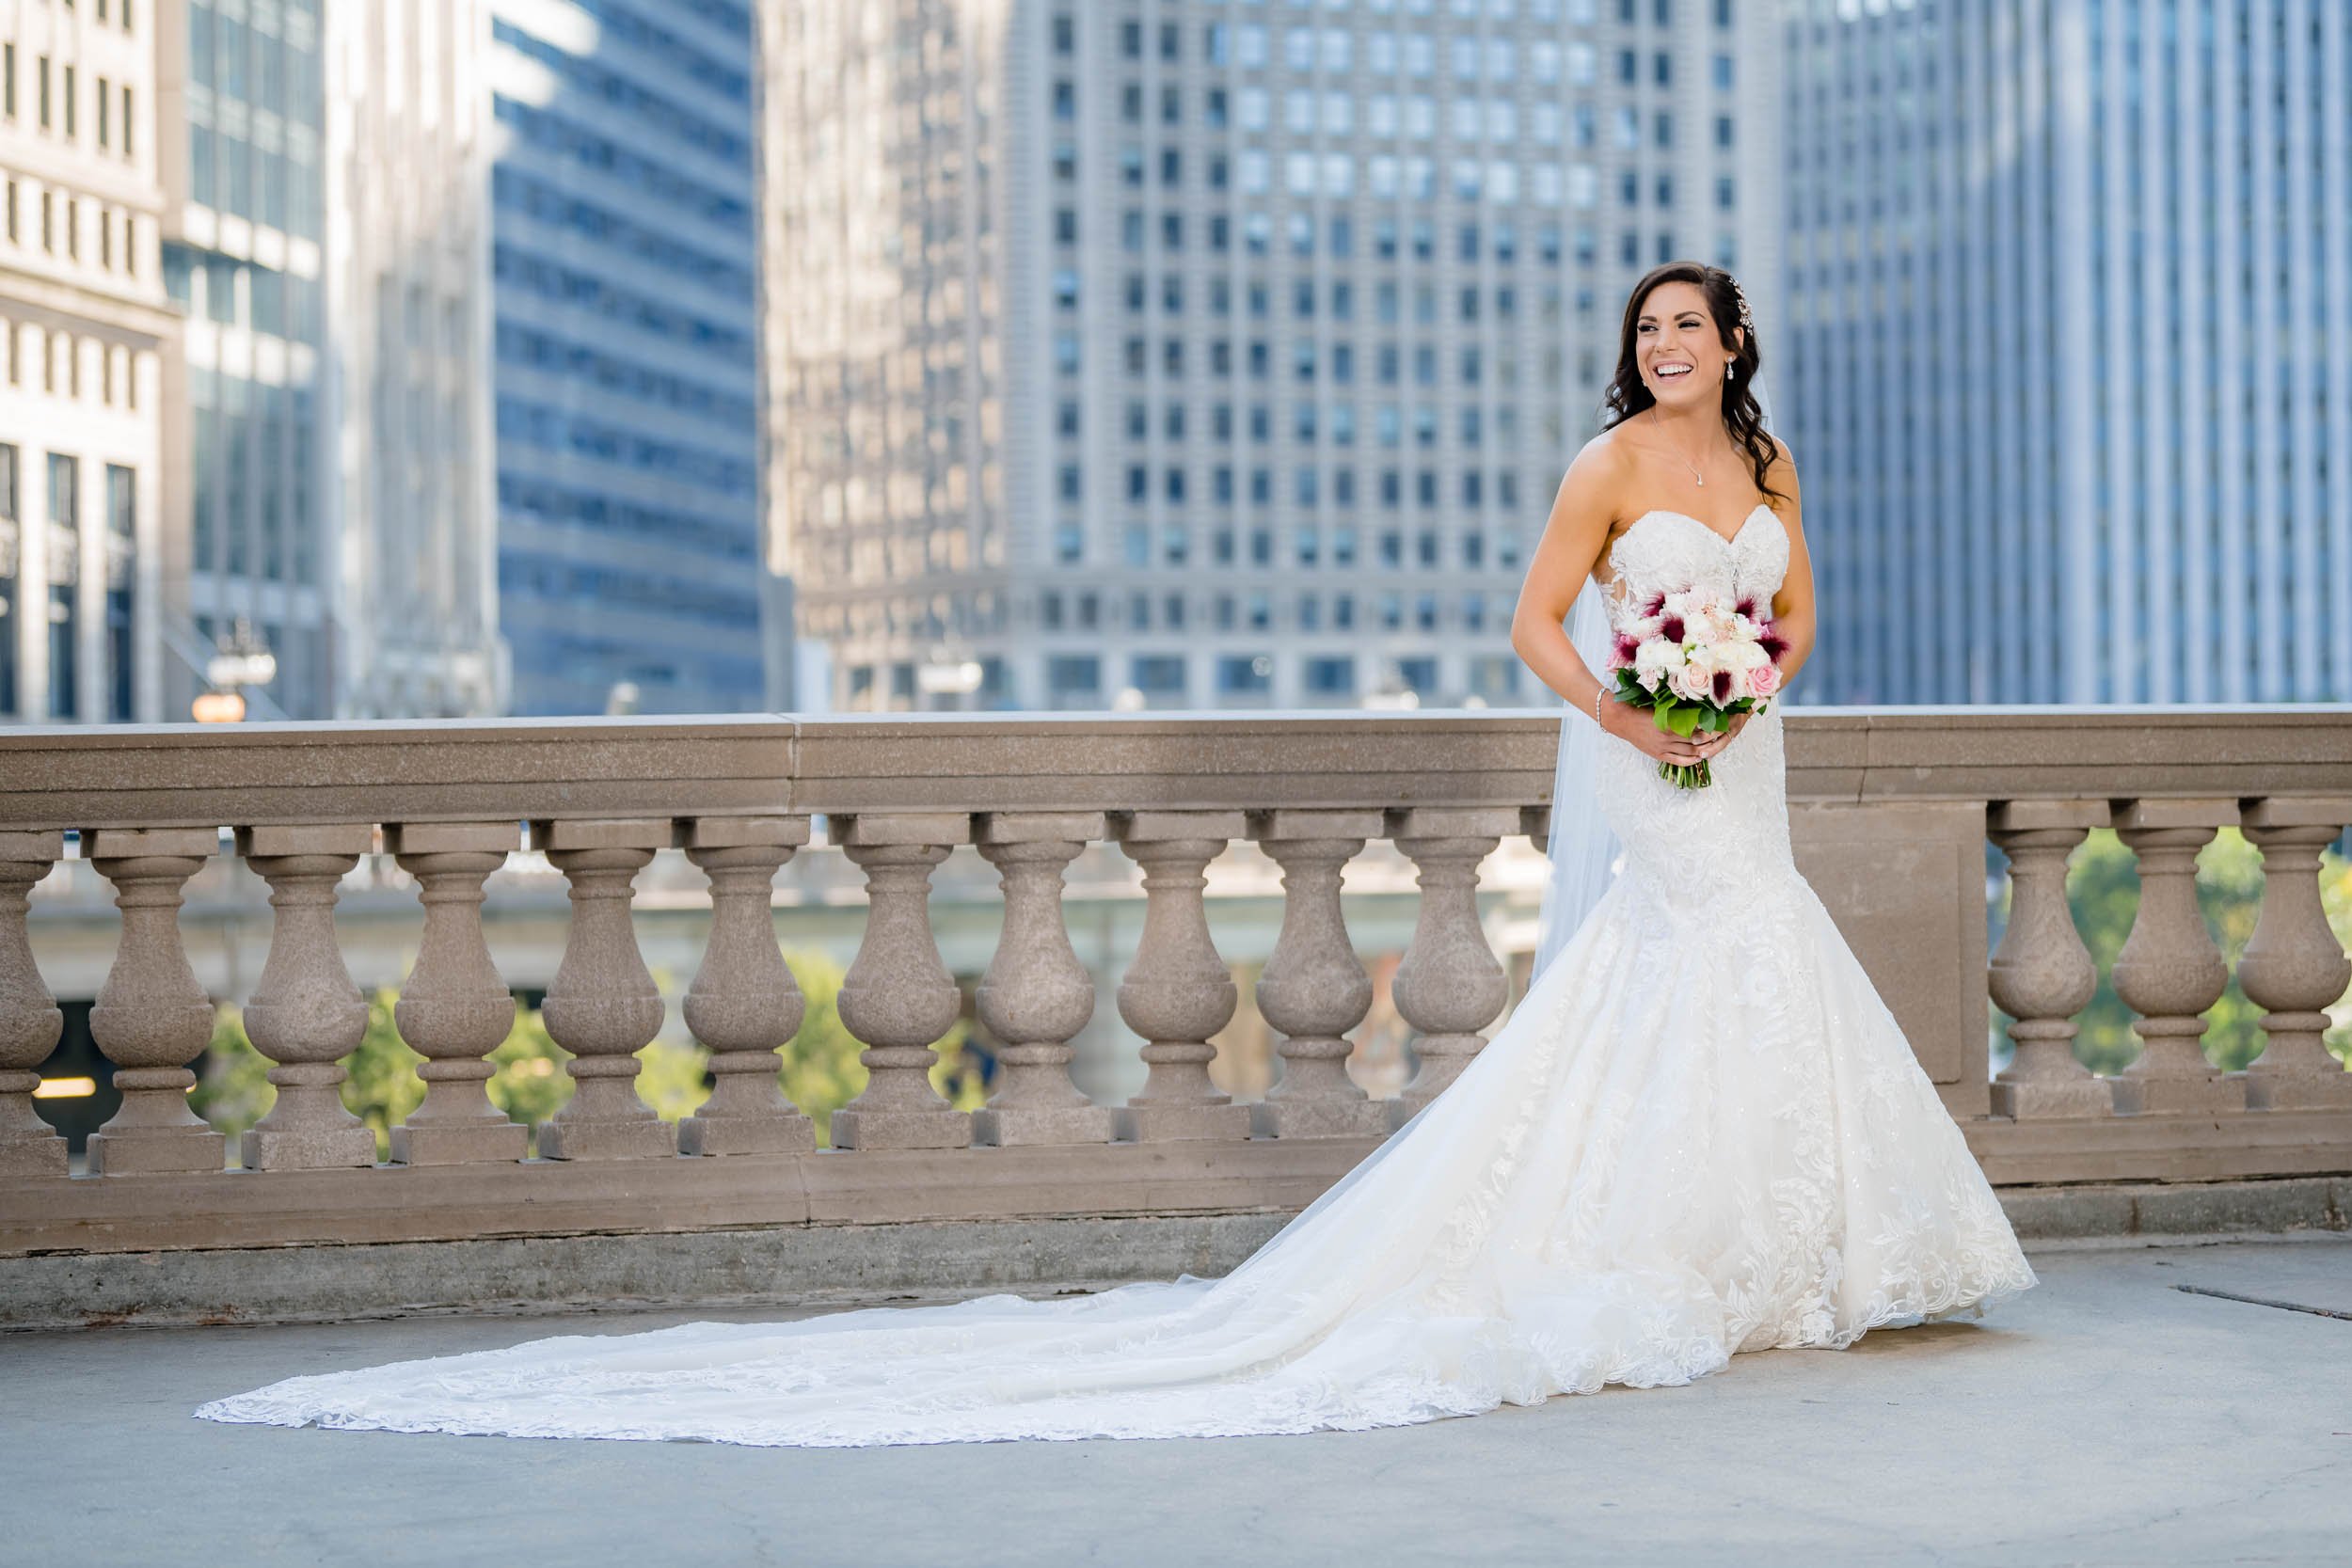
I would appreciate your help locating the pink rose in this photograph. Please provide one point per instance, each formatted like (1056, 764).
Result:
(1764, 680)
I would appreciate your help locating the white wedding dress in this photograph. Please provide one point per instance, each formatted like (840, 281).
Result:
(1700, 1132)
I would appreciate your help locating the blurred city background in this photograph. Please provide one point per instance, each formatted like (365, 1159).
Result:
(425, 358)
(432, 357)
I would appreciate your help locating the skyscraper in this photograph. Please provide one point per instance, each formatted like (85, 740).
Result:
(2072, 394)
(1211, 353)
(248, 498)
(416, 572)
(629, 574)
(87, 329)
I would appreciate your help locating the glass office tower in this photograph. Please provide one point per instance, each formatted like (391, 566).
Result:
(2069, 283)
(623, 254)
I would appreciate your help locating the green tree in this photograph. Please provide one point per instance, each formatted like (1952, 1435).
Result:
(233, 1088)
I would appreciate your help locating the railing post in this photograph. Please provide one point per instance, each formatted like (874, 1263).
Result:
(453, 1009)
(1448, 986)
(30, 1022)
(1177, 993)
(152, 1017)
(603, 1005)
(744, 1004)
(306, 1015)
(2292, 967)
(1313, 987)
(2042, 975)
(1036, 994)
(2169, 971)
(898, 997)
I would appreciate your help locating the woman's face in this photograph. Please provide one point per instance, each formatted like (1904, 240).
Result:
(1676, 348)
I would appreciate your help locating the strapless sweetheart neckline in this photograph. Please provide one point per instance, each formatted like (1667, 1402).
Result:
(1731, 538)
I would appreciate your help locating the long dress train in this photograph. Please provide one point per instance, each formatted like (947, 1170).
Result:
(1700, 1132)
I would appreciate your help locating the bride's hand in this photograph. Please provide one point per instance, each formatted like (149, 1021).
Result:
(1636, 726)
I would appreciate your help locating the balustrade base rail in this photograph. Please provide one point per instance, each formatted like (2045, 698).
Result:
(825, 1264)
(532, 1198)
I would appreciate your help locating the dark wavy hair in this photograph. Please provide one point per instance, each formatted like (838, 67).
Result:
(1742, 416)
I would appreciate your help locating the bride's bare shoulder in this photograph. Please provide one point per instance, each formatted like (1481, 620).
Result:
(1600, 475)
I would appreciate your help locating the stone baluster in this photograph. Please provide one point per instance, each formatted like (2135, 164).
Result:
(1036, 994)
(2292, 967)
(152, 1017)
(2042, 975)
(898, 997)
(744, 1004)
(1177, 993)
(1448, 986)
(306, 1015)
(30, 1020)
(454, 1007)
(603, 1005)
(2169, 971)
(1313, 989)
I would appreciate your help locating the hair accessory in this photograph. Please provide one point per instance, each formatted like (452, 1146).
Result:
(1748, 318)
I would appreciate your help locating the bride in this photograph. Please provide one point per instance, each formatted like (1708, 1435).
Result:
(1700, 1132)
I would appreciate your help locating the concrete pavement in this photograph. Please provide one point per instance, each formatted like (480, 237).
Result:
(2104, 1417)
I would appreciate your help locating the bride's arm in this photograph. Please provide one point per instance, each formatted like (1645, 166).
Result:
(1573, 539)
(1792, 606)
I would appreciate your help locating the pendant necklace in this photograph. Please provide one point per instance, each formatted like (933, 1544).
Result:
(1696, 476)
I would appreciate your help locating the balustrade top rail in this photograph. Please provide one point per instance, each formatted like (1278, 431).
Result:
(191, 775)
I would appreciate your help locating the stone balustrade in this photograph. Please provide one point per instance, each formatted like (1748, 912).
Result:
(1891, 810)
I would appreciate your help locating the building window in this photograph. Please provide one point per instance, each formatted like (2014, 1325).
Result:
(65, 512)
(9, 596)
(1331, 677)
(1072, 679)
(122, 522)
(1244, 675)
(1157, 675)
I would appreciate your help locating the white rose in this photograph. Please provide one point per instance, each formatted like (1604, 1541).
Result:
(1656, 657)
(1740, 655)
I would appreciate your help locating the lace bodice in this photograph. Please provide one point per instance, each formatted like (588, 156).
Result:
(1661, 551)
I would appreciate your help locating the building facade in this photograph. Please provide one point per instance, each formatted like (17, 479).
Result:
(409, 293)
(87, 329)
(1209, 353)
(2070, 288)
(249, 505)
(623, 259)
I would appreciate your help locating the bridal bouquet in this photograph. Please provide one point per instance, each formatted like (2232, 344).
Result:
(1695, 658)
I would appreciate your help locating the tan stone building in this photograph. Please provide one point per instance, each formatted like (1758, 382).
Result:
(81, 370)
